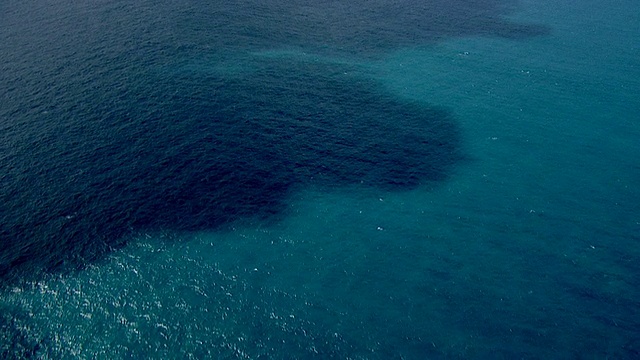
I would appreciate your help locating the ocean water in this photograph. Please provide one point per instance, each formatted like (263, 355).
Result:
(292, 180)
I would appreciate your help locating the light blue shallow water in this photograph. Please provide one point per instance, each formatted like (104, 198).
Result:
(529, 248)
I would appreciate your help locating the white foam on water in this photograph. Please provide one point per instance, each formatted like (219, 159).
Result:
(160, 298)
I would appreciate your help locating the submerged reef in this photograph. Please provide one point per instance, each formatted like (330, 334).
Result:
(195, 151)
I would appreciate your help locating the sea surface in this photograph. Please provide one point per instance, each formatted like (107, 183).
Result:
(300, 179)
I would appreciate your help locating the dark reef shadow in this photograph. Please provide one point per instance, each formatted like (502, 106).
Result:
(198, 153)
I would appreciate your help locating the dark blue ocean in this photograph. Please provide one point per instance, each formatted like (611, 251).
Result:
(320, 179)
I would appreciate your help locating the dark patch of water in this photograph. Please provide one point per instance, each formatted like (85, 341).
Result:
(194, 152)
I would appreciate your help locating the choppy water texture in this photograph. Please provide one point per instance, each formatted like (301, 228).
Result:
(368, 179)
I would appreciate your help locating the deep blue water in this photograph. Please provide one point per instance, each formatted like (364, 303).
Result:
(371, 179)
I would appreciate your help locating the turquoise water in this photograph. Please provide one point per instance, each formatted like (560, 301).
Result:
(529, 249)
